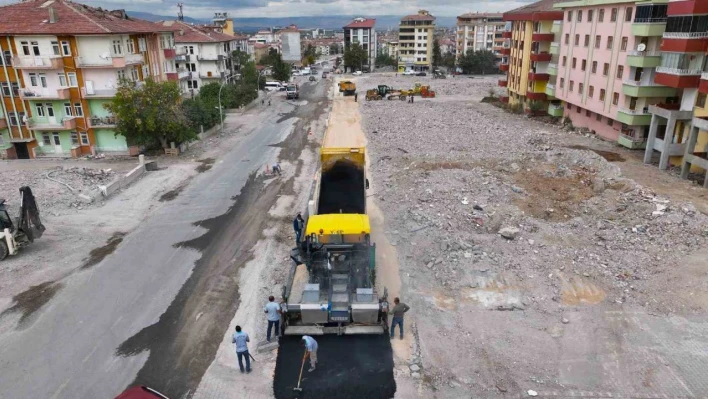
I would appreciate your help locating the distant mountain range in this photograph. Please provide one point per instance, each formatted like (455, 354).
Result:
(324, 22)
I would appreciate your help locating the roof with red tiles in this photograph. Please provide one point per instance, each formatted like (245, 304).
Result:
(290, 29)
(32, 17)
(186, 33)
(540, 10)
(361, 23)
(421, 16)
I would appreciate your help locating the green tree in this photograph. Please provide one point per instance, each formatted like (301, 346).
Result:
(270, 58)
(355, 57)
(482, 61)
(437, 55)
(448, 61)
(249, 75)
(333, 49)
(281, 69)
(383, 59)
(151, 114)
(240, 58)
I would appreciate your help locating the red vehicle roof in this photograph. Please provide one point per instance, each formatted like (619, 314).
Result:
(141, 392)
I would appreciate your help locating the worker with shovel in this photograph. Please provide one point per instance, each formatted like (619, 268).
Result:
(241, 340)
(310, 351)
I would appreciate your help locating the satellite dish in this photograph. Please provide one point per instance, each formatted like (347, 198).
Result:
(641, 47)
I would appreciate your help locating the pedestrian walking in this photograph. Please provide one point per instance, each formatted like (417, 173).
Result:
(412, 97)
(398, 310)
(355, 96)
(241, 340)
(262, 101)
(311, 348)
(276, 169)
(298, 225)
(269, 103)
(272, 310)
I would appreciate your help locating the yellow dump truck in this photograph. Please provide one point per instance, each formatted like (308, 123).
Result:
(347, 87)
(331, 289)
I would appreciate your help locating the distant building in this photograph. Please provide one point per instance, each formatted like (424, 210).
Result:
(361, 31)
(480, 31)
(222, 20)
(290, 39)
(415, 37)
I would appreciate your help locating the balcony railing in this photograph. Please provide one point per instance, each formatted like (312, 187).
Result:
(639, 83)
(45, 94)
(103, 93)
(685, 35)
(61, 124)
(553, 107)
(550, 86)
(638, 112)
(112, 61)
(38, 62)
(210, 57)
(677, 71)
(704, 76)
(649, 20)
(636, 53)
(184, 74)
(95, 121)
(553, 66)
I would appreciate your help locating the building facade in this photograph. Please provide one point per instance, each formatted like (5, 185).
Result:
(480, 31)
(527, 54)
(290, 44)
(61, 63)
(415, 42)
(362, 32)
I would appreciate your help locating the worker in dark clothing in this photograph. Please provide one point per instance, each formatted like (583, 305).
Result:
(298, 225)
(355, 96)
(398, 310)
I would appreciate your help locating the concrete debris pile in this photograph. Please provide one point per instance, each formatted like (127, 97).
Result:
(479, 86)
(476, 203)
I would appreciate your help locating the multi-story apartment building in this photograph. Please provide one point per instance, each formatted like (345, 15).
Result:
(361, 31)
(415, 41)
(290, 44)
(682, 67)
(527, 55)
(203, 55)
(62, 61)
(480, 31)
(606, 70)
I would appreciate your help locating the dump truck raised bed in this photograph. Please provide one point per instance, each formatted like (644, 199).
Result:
(347, 87)
(331, 284)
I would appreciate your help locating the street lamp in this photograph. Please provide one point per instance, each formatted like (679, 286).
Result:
(221, 114)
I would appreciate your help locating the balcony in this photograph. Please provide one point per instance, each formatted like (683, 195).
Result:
(102, 122)
(183, 57)
(67, 123)
(703, 85)
(555, 110)
(3, 122)
(633, 117)
(555, 48)
(684, 42)
(504, 67)
(506, 51)
(644, 59)
(636, 88)
(45, 94)
(538, 77)
(169, 53)
(543, 37)
(210, 57)
(172, 76)
(506, 34)
(38, 62)
(536, 96)
(649, 26)
(502, 83)
(184, 74)
(631, 142)
(212, 75)
(552, 69)
(678, 78)
(685, 35)
(541, 57)
(550, 90)
(98, 94)
(557, 27)
(113, 61)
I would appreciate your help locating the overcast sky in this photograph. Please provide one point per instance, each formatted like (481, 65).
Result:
(296, 8)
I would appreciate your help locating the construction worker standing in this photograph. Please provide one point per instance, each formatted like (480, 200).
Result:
(298, 225)
(272, 310)
(398, 310)
(311, 347)
(241, 340)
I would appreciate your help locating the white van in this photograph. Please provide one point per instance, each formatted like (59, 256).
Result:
(273, 86)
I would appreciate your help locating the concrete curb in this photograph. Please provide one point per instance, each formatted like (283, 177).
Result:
(123, 181)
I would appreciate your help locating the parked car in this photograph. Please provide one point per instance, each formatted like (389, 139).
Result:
(141, 392)
(357, 73)
(421, 74)
(409, 72)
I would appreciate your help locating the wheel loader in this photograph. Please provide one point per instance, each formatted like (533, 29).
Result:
(24, 229)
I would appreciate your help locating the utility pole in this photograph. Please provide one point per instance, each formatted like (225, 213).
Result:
(180, 15)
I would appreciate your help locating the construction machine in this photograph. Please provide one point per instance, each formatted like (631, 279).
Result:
(423, 91)
(330, 289)
(383, 91)
(347, 87)
(438, 74)
(25, 228)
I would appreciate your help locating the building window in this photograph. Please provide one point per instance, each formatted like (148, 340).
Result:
(142, 44)
(192, 84)
(577, 39)
(701, 100)
(594, 67)
(62, 80)
(605, 69)
(15, 88)
(567, 38)
(43, 80)
(190, 49)
(35, 48)
(78, 109)
(66, 48)
(55, 135)
(46, 140)
(598, 40)
(13, 118)
(33, 80)
(67, 109)
(55, 48)
(72, 79)
(578, 109)
(74, 138)
(40, 110)
(610, 42)
(570, 85)
(562, 83)
(615, 98)
(25, 48)
(625, 41)
(610, 122)
(580, 16)
(130, 46)
(620, 71)
(580, 88)
(591, 91)
(602, 94)
(569, 105)
(121, 75)
(588, 113)
(117, 47)
(628, 14)
(134, 74)
(613, 15)
(5, 88)
(565, 60)
(583, 65)
(590, 15)
(570, 16)
(598, 117)
(84, 138)
(601, 15)
(587, 40)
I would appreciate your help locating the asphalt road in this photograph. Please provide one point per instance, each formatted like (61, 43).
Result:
(155, 310)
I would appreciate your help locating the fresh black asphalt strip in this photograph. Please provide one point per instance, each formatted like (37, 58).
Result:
(347, 367)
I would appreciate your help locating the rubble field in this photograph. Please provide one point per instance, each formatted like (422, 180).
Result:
(459, 85)
(491, 212)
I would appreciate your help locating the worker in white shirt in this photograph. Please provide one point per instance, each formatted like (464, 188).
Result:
(311, 347)
(272, 310)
